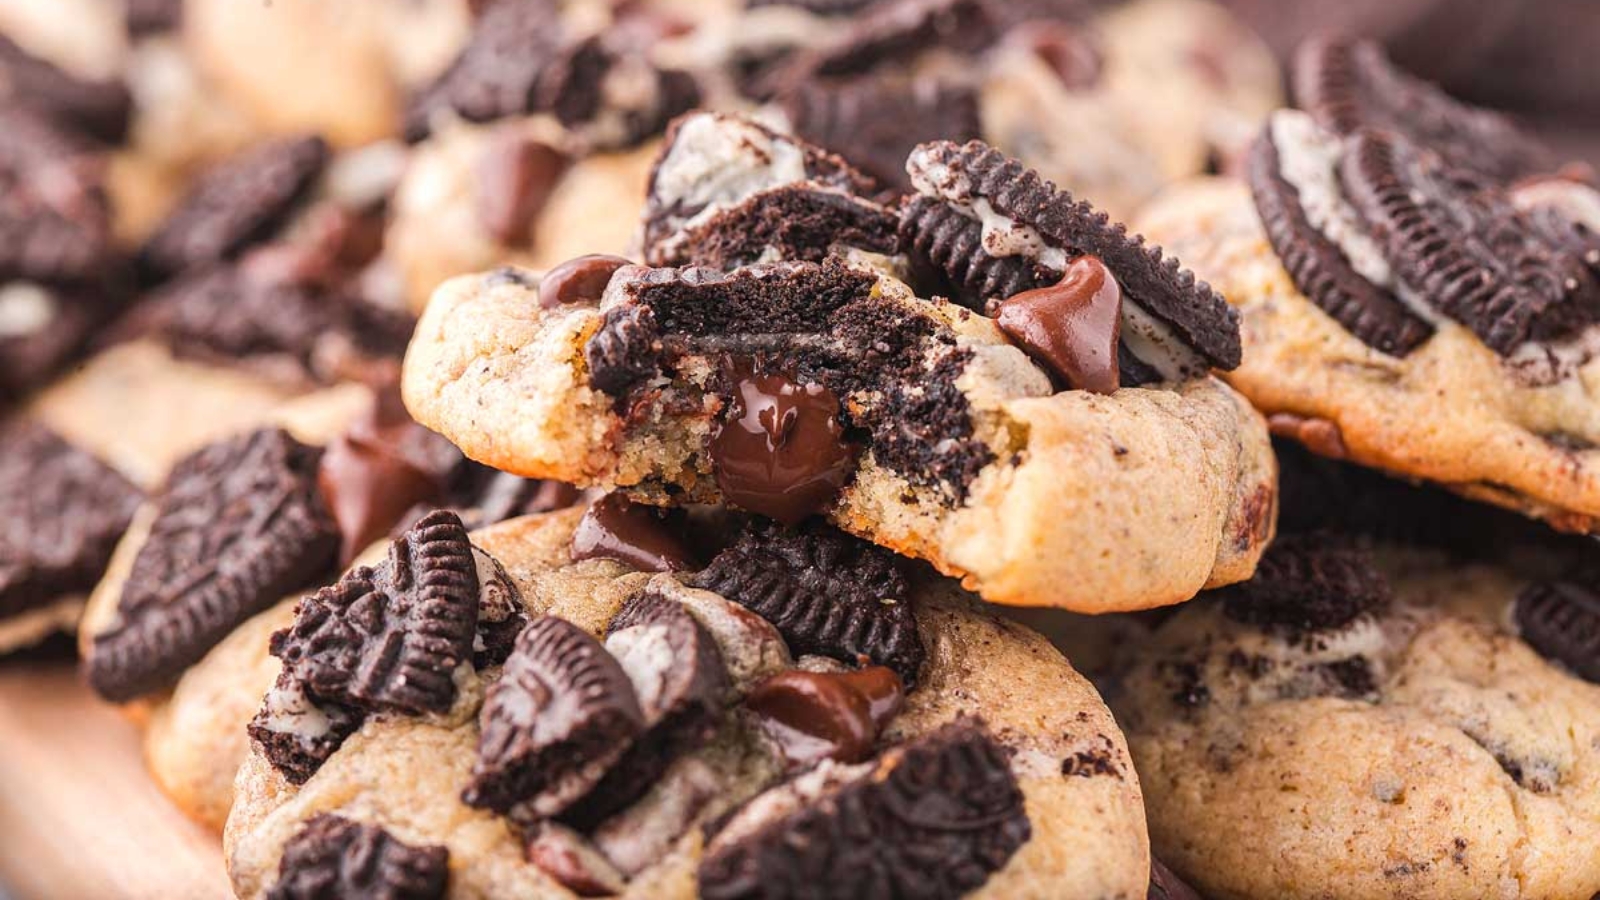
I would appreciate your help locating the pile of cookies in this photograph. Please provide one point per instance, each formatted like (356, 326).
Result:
(736, 449)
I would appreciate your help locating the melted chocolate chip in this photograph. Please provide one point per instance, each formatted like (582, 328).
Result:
(641, 536)
(580, 280)
(516, 176)
(814, 716)
(1072, 327)
(780, 450)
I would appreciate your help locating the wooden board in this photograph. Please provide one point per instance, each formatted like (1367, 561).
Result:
(78, 815)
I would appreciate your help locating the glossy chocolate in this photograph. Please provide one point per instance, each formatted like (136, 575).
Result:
(1071, 327)
(827, 715)
(516, 176)
(632, 533)
(580, 280)
(780, 450)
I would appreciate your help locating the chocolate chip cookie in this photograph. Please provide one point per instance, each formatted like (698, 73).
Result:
(765, 763)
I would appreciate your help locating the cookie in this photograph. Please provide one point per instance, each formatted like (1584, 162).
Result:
(1425, 738)
(63, 511)
(606, 652)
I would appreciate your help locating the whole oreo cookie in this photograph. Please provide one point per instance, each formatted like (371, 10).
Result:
(335, 857)
(1308, 582)
(875, 121)
(1561, 619)
(238, 525)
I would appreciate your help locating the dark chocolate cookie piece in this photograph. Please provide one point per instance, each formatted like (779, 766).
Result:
(1462, 245)
(827, 593)
(561, 715)
(238, 525)
(390, 638)
(1320, 269)
(1308, 582)
(874, 122)
(793, 222)
(933, 818)
(61, 514)
(1158, 285)
(239, 202)
(1349, 84)
(97, 108)
(1561, 620)
(334, 858)
(297, 733)
(497, 73)
(55, 218)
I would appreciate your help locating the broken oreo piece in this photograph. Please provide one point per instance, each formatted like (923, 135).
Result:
(239, 202)
(97, 108)
(45, 327)
(296, 733)
(1308, 582)
(1171, 320)
(801, 221)
(55, 217)
(239, 524)
(933, 818)
(874, 122)
(1561, 620)
(826, 592)
(335, 858)
(497, 73)
(562, 714)
(574, 87)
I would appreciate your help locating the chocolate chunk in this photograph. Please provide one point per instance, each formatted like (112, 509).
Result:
(562, 713)
(516, 176)
(1071, 327)
(55, 218)
(390, 638)
(827, 593)
(1464, 247)
(334, 858)
(1192, 327)
(146, 17)
(1349, 84)
(238, 525)
(779, 449)
(813, 716)
(497, 74)
(97, 108)
(1166, 886)
(1320, 269)
(239, 202)
(580, 280)
(645, 537)
(1308, 582)
(875, 122)
(61, 514)
(801, 221)
(932, 818)
(1561, 620)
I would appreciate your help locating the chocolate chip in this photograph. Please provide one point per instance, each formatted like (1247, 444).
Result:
(793, 222)
(827, 593)
(580, 280)
(1066, 49)
(813, 716)
(932, 818)
(1308, 582)
(874, 122)
(61, 514)
(562, 713)
(334, 858)
(1164, 885)
(238, 202)
(238, 525)
(516, 177)
(97, 108)
(1561, 620)
(390, 637)
(1319, 268)
(1071, 327)
(644, 537)
(779, 449)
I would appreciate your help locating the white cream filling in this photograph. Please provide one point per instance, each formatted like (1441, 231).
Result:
(714, 162)
(25, 309)
(287, 710)
(645, 655)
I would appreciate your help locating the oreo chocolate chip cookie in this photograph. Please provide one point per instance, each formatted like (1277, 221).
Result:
(100, 109)
(61, 514)
(1349, 84)
(1308, 582)
(990, 225)
(932, 818)
(1561, 619)
(238, 524)
(237, 203)
(335, 857)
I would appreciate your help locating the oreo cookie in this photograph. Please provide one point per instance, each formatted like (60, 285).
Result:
(875, 121)
(1306, 583)
(1349, 84)
(335, 857)
(572, 88)
(827, 593)
(100, 109)
(1561, 620)
(1461, 244)
(934, 817)
(803, 221)
(497, 73)
(55, 218)
(239, 524)
(1171, 321)
(61, 514)
(1319, 267)
(239, 202)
